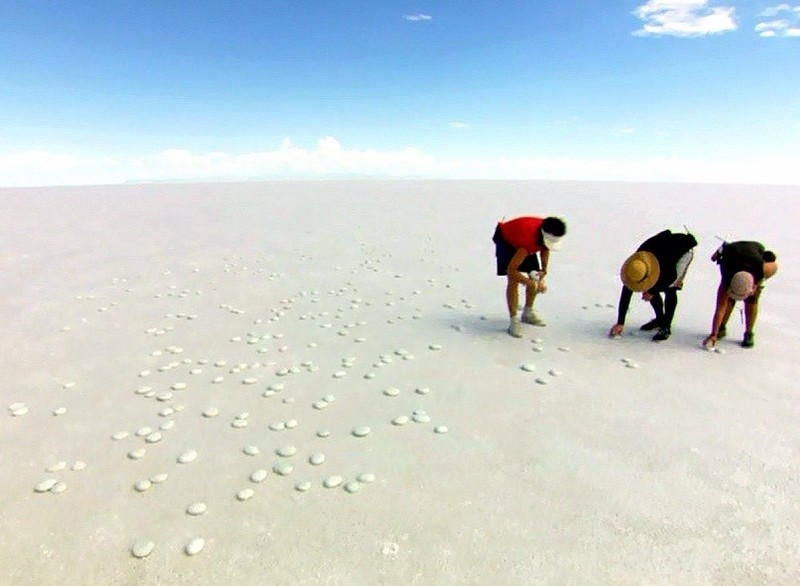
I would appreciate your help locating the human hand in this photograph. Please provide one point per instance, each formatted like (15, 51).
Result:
(541, 286)
(616, 330)
(710, 341)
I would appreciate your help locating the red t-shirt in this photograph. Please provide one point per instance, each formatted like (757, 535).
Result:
(523, 233)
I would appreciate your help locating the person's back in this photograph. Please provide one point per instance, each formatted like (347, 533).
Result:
(668, 248)
(744, 255)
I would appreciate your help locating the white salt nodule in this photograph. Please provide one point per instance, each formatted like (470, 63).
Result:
(45, 485)
(361, 431)
(286, 451)
(142, 485)
(153, 438)
(245, 494)
(142, 548)
(187, 457)
(195, 546)
(282, 468)
(332, 481)
(196, 509)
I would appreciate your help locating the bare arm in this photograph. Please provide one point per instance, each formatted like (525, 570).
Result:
(513, 268)
(719, 313)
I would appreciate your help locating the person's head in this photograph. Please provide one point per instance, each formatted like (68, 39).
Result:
(742, 286)
(640, 271)
(553, 230)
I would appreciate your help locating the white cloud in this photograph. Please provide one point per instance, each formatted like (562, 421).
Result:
(459, 125)
(417, 17)
(684, 18)
(786, 25)
(330, 160)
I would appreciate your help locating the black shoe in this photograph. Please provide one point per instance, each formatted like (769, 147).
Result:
(723, 331)
(748, 341)
(651, 325)
(661, 335)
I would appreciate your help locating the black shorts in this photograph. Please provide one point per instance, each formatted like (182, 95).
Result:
(505, 252)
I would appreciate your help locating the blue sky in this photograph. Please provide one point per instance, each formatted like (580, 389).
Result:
(659, 90)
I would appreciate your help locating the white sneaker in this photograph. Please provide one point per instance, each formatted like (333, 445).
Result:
(515, 328)
(529, 317)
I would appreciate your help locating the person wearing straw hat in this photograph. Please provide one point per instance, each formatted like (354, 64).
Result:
(518, 245)
(658, 266)
(743, 266)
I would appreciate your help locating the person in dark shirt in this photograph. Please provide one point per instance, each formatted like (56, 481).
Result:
(658, 266)
(743, 267)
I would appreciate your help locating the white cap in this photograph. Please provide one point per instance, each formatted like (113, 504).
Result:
(551, 242)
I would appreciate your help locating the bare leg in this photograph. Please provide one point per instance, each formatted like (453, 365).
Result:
(727, 315)
(751, 311)
(530, 296)
(512, 297)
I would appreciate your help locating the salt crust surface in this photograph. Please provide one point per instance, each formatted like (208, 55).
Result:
(126, 305)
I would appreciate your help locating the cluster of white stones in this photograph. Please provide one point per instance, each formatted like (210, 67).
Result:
(53, 485)
(337, 327)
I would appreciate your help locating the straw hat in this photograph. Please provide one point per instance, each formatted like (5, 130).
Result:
(742, 285)
(640, 271)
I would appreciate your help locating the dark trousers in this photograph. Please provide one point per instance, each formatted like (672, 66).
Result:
(665, 309)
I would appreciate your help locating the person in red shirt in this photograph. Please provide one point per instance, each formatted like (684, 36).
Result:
(519, 244)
